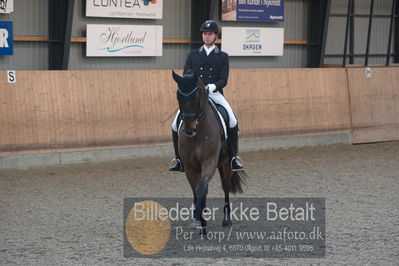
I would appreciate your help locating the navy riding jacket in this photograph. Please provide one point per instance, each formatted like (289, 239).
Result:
(212, 68)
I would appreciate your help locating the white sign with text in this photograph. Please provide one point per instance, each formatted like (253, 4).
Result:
(239, 41)
(123, 40)
(6, 6)
(146, 9)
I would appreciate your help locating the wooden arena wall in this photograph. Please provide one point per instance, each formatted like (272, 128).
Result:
(374, 104)
(49, 111)
(288, 102)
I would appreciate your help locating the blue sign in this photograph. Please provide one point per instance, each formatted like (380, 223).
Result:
(6, 38)
(253, 10)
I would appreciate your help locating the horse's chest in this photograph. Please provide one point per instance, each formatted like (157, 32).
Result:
(208, 141)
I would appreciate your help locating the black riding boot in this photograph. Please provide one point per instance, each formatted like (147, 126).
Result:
(235, 161)
(176, 165)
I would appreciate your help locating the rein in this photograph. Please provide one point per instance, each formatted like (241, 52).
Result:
(163, 121)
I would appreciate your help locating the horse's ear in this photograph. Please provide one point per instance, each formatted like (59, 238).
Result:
(176, 77)
(200, 83)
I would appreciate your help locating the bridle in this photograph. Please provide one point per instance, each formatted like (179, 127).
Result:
(197, 115)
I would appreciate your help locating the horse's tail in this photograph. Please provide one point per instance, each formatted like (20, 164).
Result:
(237, 180)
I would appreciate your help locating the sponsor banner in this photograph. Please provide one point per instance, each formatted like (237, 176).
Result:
(6, 6)
(253, 10)
(253, 228)
(238, 41)
(146, 9)
(124, 40)
(6, 38)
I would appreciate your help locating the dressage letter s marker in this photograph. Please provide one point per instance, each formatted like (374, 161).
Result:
(11, 77)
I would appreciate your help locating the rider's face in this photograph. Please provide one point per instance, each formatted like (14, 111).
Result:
(208, 38)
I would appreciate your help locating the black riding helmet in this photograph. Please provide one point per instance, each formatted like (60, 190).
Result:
(210, 26)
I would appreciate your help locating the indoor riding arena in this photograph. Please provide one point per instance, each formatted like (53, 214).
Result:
(87, 101)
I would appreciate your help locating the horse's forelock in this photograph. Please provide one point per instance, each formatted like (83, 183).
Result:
(187, 84)
(185, 93)
(184, 98)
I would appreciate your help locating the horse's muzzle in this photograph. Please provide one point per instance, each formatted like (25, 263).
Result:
(190, 132)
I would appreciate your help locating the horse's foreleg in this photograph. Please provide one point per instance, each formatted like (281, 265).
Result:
(193, 180)
(195, 202)
(195, 220)
(203, 232)
(201, 191)
(199, 176)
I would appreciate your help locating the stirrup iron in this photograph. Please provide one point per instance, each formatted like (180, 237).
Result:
(239, 166)
(176, 165)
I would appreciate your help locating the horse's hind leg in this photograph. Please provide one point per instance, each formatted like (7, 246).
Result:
(224, 176)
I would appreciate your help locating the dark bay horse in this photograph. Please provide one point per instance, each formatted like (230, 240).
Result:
(201, 148)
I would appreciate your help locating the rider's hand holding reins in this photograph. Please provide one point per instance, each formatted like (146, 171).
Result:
(211, 87)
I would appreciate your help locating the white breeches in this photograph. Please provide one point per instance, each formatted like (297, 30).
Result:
(217, 98)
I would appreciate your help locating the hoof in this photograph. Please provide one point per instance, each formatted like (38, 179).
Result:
(203, 234)
(195, 224)
(204, 237)
(227, 223)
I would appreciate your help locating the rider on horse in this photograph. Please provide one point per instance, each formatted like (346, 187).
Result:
(212, 66)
